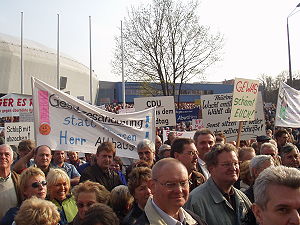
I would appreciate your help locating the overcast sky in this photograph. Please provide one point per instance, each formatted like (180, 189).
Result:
(254, 31)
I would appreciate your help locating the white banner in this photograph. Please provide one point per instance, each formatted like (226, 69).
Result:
(16, 132)
(178, 134)
(288, 107)
(64, 122)
(13, 104)
(165, 109)
(244, 99)
(216, 110)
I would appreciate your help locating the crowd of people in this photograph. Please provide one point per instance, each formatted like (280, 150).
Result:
(178, 181)
(204, 180)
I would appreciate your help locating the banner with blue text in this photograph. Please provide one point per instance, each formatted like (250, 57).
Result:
(64, 122)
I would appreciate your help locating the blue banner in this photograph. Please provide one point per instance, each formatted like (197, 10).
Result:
(184, 115)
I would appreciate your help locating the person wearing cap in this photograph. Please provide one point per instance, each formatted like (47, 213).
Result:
(164, 151)
(260, 140)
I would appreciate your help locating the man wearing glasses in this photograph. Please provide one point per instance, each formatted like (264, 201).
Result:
(184, 150)
(217, 201)
(170, 188)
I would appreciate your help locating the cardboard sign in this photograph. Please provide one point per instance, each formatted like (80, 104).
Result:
(13, 104)
(164, 106)
(66, 123)
(178, 134)
(244, 99)
(16, 132)
(216, 111)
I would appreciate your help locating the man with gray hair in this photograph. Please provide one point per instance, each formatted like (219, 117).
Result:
(146, 151)
(277, 196)
(9, 181)
(257, 165)
(270, 149)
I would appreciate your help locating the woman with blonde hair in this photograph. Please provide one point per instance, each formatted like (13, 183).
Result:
(59, 193)
(32, 183)
(86, 194)
(36, 211)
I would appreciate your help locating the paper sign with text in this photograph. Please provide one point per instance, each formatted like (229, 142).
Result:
(16, 132)
(216, 110)
(66, 123)
(197, 124)
(165, 109)
(178, 134)
(13, 104)
(244, 99)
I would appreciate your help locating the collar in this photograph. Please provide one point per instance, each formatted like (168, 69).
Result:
(167, 218)
(4, 179)
(216, 194)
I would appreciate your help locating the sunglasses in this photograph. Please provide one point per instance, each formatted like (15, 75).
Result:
(37, 184)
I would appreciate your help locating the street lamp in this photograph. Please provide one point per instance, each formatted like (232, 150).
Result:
(288, 37)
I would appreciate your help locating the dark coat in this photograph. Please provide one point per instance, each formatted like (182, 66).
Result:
(94, 173)
(133, 215)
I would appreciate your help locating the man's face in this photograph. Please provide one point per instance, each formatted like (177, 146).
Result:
(73, 156)
(227, 169)
(204, 144)
(282, 140)
(43, 157)
(104, 159)
(188, 157)
(291, 159)
(146, 154)
(59, 157)
(158, 143)
(171, 188)
(282, 208)
(5, 157)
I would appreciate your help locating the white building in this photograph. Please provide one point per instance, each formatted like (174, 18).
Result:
(41, 62)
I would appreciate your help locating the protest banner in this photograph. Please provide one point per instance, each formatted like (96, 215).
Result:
(66, 123)
(197, 124)
(185, 115)
(244, 99)
(288, 107)
(16, 132)
(126, 110)
(12, 104)
(216, 110)
(179, 134)
(164, 107)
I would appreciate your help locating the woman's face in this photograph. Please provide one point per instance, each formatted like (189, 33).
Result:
(84, 202)
(36, 186)
(59, 190)
(141, 194)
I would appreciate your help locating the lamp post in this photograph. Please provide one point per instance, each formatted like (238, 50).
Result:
(288, 37)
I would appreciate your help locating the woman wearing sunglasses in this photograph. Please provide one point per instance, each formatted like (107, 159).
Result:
(32, 183)
(59, 193)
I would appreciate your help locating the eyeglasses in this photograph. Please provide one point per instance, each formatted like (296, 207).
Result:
(191, 153)
(229, 164)
(174, 185)
(37, 184)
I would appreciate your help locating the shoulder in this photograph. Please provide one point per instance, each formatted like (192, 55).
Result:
(142, 220)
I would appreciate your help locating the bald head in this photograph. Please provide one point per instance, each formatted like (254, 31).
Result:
(165, 166)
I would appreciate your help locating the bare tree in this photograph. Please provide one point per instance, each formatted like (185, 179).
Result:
(165, 44)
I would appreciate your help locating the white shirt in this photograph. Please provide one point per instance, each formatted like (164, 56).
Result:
(167, 218)
(203, 167)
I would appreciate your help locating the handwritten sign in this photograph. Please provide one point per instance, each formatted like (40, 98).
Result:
(165, 109)
(16, 132)
(216, 111)
(244, 99)
(66, 123)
